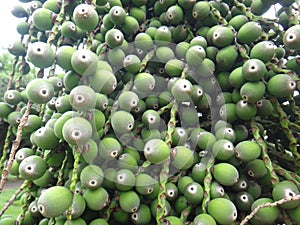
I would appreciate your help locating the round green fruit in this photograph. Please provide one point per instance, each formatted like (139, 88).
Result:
(227, 215)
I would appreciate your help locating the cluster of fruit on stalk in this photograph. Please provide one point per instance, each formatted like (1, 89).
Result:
(154, 112)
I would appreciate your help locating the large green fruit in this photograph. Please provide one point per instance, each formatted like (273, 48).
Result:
(83, 98)
(41, 54)
(49, 199)
(156, 151)
(32, 167)
(286, 189)
(96, 199)
(281, 85)
(266, 215)
(227, 215)
(39, 91)
(291, 37)
(226, 174)
(85, 17)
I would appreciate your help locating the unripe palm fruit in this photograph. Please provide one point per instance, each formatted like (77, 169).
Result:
(43, 19)
(5, 109)
(249, 32)
(194, 193)
(103, 81)
(23, 153)
(195, 55)
(130, 26)
(32, 167)
(144, 184)
(84, 62)
(163, 34)
(266, 215)
(174, 14)
(128, 100)
(63, 56)
(143, 41)
(48, 201)
(114, 38)
(138, 13)
(226, 58)
(245, 110)
(85, 17)
(144, 82)
(77, 131)
(204, 219)
(256, 168)
(17, 48)
(201, 10)
(226, 174)
(40, 54)
(222, 36)
(70, 30)
(183, 158)
(129, 201)
(238, 21)
(264, 50)
(253, 91)
(39, 91)
(96, 199)
(254, 70)
(83, 98)
(247, 151)
(291, 37)
(216, 190)
(109, 148)
(243, 201)
(132, 63)
(223, 149)
(117, 15)
(151, 118)
(227, 215)
(173, 220)
(142, 216)
(286, 189)
(45, 138)
(91, 177)
(281, 85)
(78, 208)
(14, 118)
(181, 90)
(294, 214)
(122, 122)
(156, 151)
(264, 108)
(228, 112)
(98, 221)
(12, 97)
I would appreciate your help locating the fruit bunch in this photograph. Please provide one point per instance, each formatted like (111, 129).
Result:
(154, 112)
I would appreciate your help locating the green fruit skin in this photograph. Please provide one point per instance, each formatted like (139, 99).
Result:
(91, 176)
(281, 85)
(226, 174)
(142, 216)
(247, 150)
(129, 201)
(245, 110)
(85, 17)
(39, 91)
(249, 32)
(291, 37)
(254, 70)
(64, 55)
(294, 214)
(223, 149)
(204, 219)
(256, 168)
(83, 98)
(265, 215)
(194, 193)
(96, 199)
(40, 54)
(45, 138)
(286, 189)
(47, 202)
(156, 151)
(32, 167)
(264, 50)
(253, 91)
(227, 215)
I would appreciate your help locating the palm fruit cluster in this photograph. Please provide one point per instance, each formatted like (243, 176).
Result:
(154, 112)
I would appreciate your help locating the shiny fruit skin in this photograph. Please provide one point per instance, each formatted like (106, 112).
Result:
(85, 17)
(265, 215)
(226, 174)
(156, 151)
(286, 189)
(291, 37)
(41, 54)
(281, 85)
(32, 167)
(228, 214)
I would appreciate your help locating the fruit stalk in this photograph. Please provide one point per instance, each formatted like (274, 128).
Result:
(5, 149)
(287, 174)
(264, 152)
(207, 182)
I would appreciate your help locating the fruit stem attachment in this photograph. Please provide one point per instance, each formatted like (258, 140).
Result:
(5, 149)
(266, 205)
(146, 59)
(15, 146)
(61, 171)
(12, 74)
(207, 181)
(264, 152)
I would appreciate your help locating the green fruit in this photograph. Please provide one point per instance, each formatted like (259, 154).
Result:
(122, 122)
(243, 201)
(294, 214)
(117, 15)
(222, 36)
(132, 63)
(63, 56)
(216, 190)
(138, 13)
(249, 32)
(43, 19)
(16, 48)
(254, 70)
(236, 78)
(286, 189)
(204, 219)
(195, 55)
(78, 221)
(226, 58)
(179, 136)
(40, 54)
(171, 191)
(144, 184)
(5, 109)
(47, 202)
(266, 215)
(114, 38)
(228, 112)
(45, 138)
(174, 14)
(291, 37)
(225, 173)
(201, 10)
(96, 199)
(91, 177)
(98, 221)
(264, 108)
(264, 51)
(130, 26)
(194, 193)
(181, 90)
(78, 207)
(198, 172)
(162, 34)
(225, 133)
(183, 182)
(173, 220)
(245, 110)
(253, 91)
(70, 30)
(256, 168)
(23, 153)
(14, 118)
(124, 179)
(103, 81)
(247, 151)
(183, 158)
(39, 91)
(84, 62)
(281, 85)
(77, 131)
(129, 201)
(156, 151)
(142, 216)
(109, 148)
(128, 100)
(238, 21)
(83, 98)
(227, 215)
(143, 41)
(85, 17)
(223, 149)
(70, 80)
(12, 97)
(32, 167)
